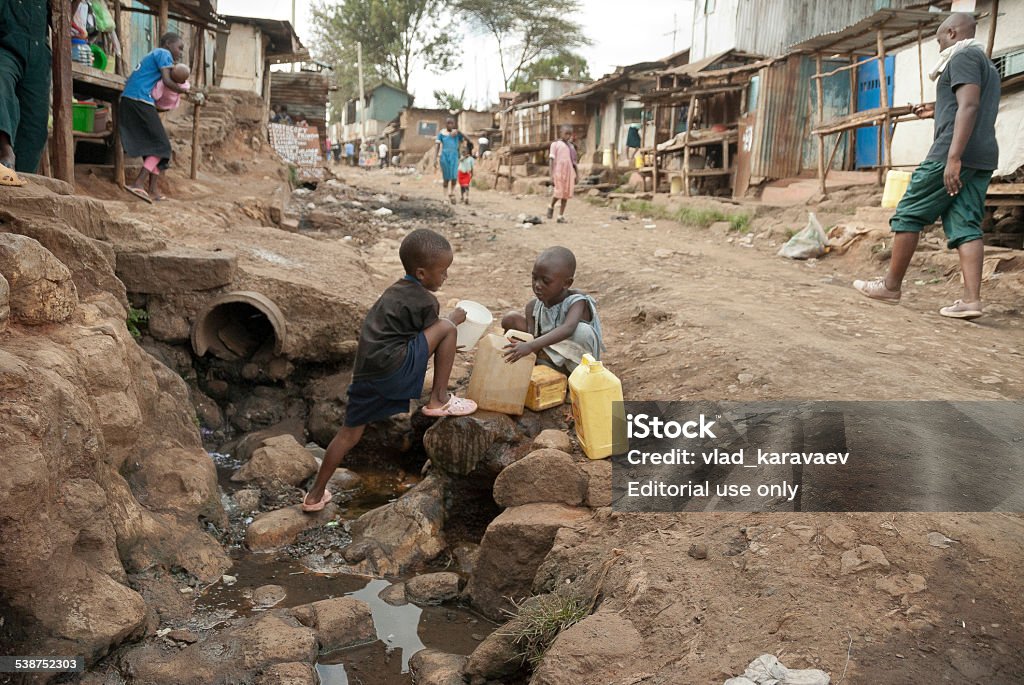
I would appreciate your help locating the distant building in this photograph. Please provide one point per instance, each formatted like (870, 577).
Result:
(383, 103)
(245, 52)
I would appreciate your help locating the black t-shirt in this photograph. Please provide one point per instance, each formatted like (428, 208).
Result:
(401, 312)
(970, 65)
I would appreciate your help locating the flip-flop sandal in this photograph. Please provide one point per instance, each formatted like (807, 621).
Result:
(455, 406)
(9, 177)
(960, 310)
(139, 193)
(319, 505)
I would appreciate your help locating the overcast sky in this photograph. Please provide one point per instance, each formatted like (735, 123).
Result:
(619, 37)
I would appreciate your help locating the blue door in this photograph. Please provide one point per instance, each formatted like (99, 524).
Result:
(869, 96)
(142, 40)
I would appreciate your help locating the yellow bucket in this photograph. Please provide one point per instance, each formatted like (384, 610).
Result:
(593, 390)
(896, 183)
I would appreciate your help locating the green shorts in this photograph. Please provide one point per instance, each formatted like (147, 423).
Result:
(926, 200)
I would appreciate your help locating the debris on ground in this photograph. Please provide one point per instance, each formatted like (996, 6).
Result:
(768, 670)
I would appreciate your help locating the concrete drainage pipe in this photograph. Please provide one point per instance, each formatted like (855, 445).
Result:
(238, 325)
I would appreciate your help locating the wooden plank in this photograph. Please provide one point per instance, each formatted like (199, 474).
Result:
(101, 84)
(200, 63)
(709, 172)
(886, 159)
(851, 148)
(819, 90)
(686, 148)
(852, 65)
(63, 143)
(1006, 189)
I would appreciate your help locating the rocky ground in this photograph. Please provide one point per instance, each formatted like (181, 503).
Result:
(107, 432)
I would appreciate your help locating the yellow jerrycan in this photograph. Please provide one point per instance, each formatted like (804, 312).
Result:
(896, 183)
(593, 389)
(495, 384)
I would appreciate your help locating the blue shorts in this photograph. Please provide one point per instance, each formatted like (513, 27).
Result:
(379, 398)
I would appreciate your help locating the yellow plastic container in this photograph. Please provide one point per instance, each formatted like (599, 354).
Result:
(547, 388)
(896, 183)
(495, 384)
(638, 160)
(606, 158)
(593, 390)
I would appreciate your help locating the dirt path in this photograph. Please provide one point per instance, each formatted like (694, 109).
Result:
(693, 315)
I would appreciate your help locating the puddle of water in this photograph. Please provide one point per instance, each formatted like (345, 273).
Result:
(401, 630)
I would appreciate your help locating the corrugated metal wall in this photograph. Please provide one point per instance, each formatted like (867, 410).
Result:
(305, 94)
(768, 27)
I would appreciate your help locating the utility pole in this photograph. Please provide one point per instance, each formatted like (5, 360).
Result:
(362, 99)
(293, 29)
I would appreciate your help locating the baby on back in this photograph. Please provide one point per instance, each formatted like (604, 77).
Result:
(165, 98)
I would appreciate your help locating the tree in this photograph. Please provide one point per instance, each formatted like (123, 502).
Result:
(565, 64)
(396, 35)
(450, 100)
(526, 30)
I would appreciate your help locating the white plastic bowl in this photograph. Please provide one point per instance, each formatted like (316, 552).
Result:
(478, 320)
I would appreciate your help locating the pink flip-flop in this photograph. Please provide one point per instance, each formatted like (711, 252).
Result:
(455, 406)
(319, 505)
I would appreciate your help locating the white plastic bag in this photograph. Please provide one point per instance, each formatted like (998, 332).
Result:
(808, 243)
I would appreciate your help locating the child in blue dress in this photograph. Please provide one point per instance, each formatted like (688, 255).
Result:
(449, 141)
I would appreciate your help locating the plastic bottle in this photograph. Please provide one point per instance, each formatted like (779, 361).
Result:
(593, 390)
(495, 384)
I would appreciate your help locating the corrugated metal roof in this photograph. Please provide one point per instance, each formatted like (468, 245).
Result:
(899, 28)
(723, 60)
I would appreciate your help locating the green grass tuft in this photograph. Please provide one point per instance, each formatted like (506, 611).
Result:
(538, 621)
(690, 216)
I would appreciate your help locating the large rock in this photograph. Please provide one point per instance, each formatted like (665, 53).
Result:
(862, 558)
(179, 481)
(175, 270)
(281, 458)
(554, 439)
(432, 667)
(338, 622)
(595, 651)
(235, 654)
(280, 527)
(599, 483)
(546, 475)
(90, 261)
(41, 288)
(458, 445)
(512, 550)
(496, 657)
(399, 536)
(291, 673)
(432, 588)
(5, 303)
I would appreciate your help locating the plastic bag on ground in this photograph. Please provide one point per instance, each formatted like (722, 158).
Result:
(809, 243)
(768, 670)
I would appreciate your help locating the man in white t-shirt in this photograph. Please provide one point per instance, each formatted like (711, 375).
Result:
(382, 152)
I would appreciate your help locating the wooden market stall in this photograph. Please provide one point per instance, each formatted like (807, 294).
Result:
(71, 77)
(869, 40)
(696, 108)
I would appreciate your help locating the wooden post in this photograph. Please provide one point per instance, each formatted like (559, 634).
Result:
(820, 92)
(992, 29)
(115, 113)
(885, 161)
(851, 147)
(119, 67)
(200, 35)
(920, 69)
(162, 21)
(63, 140)
(654, 153)
(686, 145)
(266, 90)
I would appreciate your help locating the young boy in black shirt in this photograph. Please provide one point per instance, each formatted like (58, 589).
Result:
(400, 333)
